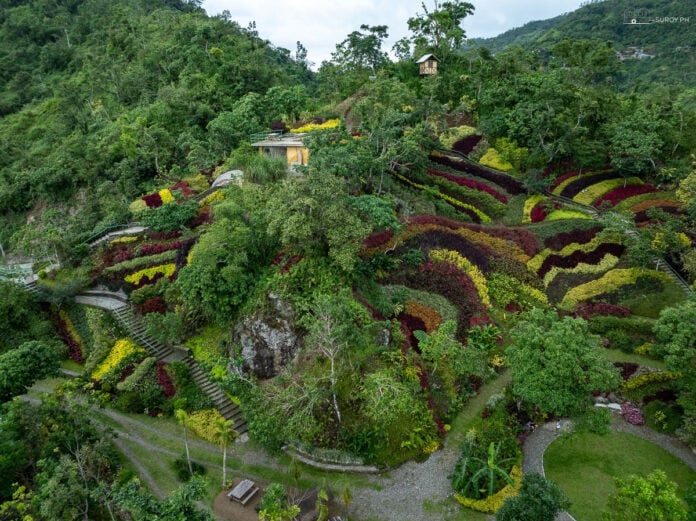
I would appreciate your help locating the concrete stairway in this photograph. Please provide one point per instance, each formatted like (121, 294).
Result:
(119, 307)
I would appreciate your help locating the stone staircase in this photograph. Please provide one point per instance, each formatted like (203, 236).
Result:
(119, 307)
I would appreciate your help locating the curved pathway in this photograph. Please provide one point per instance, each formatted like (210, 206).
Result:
(537, 443)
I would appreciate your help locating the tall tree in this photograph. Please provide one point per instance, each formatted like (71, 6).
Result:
(183, 418)
(224, 435)
(556, 362)
(439, 30)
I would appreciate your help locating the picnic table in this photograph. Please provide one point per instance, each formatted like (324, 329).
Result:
(243, 492)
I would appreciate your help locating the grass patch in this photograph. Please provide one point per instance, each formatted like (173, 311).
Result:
(71, 365)
(614, 355)
(584, 466)
(157, 464)
(649, 304)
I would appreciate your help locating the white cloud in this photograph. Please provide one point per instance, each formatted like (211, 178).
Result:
(321, 24)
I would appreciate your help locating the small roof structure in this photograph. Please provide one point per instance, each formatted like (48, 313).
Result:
(427, 57)
(286, 140)
(227, 178)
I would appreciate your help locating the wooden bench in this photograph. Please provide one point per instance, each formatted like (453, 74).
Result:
(243, 492)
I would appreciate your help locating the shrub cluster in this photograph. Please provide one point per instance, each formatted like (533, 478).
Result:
(615, 196)
(506, 182)
(470, 183)
(563, 239)
(610, 281)
(576, 186)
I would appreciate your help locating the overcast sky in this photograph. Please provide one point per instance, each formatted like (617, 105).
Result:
(321, 24)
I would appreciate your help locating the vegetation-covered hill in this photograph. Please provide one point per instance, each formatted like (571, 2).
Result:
(100, 97)
(666, 29)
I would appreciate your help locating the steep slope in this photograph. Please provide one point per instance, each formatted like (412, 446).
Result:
(665, 29)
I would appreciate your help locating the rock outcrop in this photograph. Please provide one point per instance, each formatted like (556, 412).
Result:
(268, 338)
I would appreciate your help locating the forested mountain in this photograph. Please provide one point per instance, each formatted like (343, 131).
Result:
(663, 28)
(100, 97)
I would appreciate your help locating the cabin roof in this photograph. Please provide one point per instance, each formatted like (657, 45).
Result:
(427, 57)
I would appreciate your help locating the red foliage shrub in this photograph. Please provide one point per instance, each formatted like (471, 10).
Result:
(520, 236)
(446, 280)
(377, 239)
(411, 324)
(575, 187)
(184, 188)
(579, 256)
(587, 309)
(538, 213)
(467, 144)
(153, 249)
(203, 216)
(153, 305)
(642, 216)
(626, 369)
(74, 350)
(153, 200)
(508, 183)
(127, 371)
(617, 195)
(560, 241)
(562, 178)
(478, 254)
(164, 380)
(470, 183)
(163, 236)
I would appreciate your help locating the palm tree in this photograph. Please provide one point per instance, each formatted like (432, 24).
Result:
(224, 435)
(183, 419)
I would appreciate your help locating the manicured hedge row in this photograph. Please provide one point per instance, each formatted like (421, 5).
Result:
(610, 281)
(594, 192)
(615, 196)
(444, 239)
(508, 183)
(139, 262)
(601, 324)
(544, 230)
(562, 179)
(581, 183)
(580, 257)
(474, 213)
(642, 216)
(605, 263)
(538, 260)
(530, 204)
(646, 204)
(470, 183)
(587, 309)
(430, 317)
(632, 201)
(448, 281)
(471, 196)
(562, 214)
(563, 239)
(522, 237)
(464, 264)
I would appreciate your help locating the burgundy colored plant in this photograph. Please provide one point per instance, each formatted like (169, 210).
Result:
(153, 200)
(575, 187)
(164, 380)
(538, 213)
(377, 239)
(558, 242)
(615, 196)
(467, 144)
(470, 183)
(508, 183)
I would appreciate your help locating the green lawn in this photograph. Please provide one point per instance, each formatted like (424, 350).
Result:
(584, 466)
(614, 355)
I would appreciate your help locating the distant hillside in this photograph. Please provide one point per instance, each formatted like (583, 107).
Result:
(663, 28)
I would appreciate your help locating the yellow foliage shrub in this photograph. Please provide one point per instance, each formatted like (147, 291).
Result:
(529, 205)
(212, 198)
(330, 123)
(138, 206)
(167, 270)
(203, 423)
(492, 504)
(610, 281)
(125, 239)
(493, 159)
(122, 348)
(464, 264)
(166, 196)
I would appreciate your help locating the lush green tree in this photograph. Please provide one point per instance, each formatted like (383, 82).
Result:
(439, 31)
(539, 499)
(556, 362)
(21, 367)
(450, 361)
(653, 498)
(675, 331)
(21, 318)
(274, 505)
(362, 50)
(170, 216)
(181, 505)
(313, 215)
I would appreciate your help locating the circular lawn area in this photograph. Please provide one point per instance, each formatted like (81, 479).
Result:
(584, 466)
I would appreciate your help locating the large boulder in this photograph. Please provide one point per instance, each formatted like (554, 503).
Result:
(268, 338)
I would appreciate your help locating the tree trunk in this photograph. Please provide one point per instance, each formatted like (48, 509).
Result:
(224, 466)
(188, 454)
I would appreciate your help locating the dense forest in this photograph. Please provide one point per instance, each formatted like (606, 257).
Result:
(515, 232)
